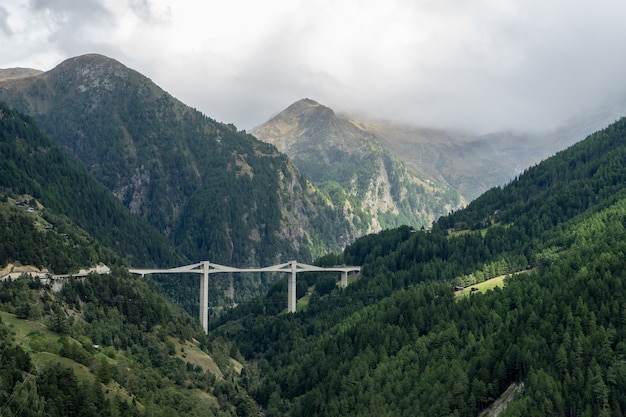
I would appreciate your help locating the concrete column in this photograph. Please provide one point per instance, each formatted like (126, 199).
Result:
(291, 288)
(344, 279)
(204, 297)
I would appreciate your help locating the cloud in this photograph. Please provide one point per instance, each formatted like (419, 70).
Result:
(481, 65)
(4, 24)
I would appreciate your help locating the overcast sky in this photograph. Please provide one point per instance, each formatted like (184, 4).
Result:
(484, 65)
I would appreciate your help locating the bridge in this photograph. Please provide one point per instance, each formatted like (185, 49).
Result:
(205, 268)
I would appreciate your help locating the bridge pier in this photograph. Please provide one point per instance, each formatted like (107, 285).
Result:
(204, 297)
(291, 288)
(344, 279)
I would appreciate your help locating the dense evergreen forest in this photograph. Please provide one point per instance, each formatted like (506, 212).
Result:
(105, 345)
(399, 342)
(31, 165)
(218, 193)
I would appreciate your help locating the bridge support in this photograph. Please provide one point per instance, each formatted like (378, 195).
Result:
(204, 297)
(291, 288)
(344, 279)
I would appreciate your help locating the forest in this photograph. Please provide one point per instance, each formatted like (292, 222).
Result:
(398, 341)
(213, 192)
(31, 164)
(109, 346)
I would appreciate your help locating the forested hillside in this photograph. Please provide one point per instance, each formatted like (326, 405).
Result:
(399, 342)
(105, 345)
(109, 346)
(216, 193)
(61, 193)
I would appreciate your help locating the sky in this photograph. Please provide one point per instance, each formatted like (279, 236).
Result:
(474, 65)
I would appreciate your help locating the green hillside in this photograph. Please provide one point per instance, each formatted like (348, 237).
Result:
(63, 194)
(109, 346)
(398, 342)
(215, 192)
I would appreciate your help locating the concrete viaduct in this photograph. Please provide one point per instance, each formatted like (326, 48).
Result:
(205, 268)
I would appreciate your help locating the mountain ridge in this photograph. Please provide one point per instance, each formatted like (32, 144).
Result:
(470, 163)
(63, 193)
(397, 341)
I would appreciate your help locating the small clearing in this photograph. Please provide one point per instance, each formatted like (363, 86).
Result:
(501, 403)
(489, 284)
(191, 352)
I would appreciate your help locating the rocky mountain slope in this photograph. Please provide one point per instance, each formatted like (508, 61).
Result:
(373, 186)
(9, 73)
(442, 169)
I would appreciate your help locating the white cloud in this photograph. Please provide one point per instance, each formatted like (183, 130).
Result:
(485, 64)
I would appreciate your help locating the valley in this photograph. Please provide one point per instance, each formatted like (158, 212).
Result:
(161, 185)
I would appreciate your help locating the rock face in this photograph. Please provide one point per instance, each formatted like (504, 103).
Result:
(473, 164)
(372, 187)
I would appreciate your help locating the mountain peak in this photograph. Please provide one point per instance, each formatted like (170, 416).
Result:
(306, 101)
(305, 107)
(90, 59)
(304, 123)
(90, 71)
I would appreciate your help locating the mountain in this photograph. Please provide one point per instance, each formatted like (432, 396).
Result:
(472, 164)
(8, 73)
(100, 345)
(217, 193)
(373, 186)
(468, 164)
(543, 316)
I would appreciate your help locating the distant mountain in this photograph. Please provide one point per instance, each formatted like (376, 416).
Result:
(372, 185)
(219, 194)
(472, 164)
(8, 73)
(467, 164)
